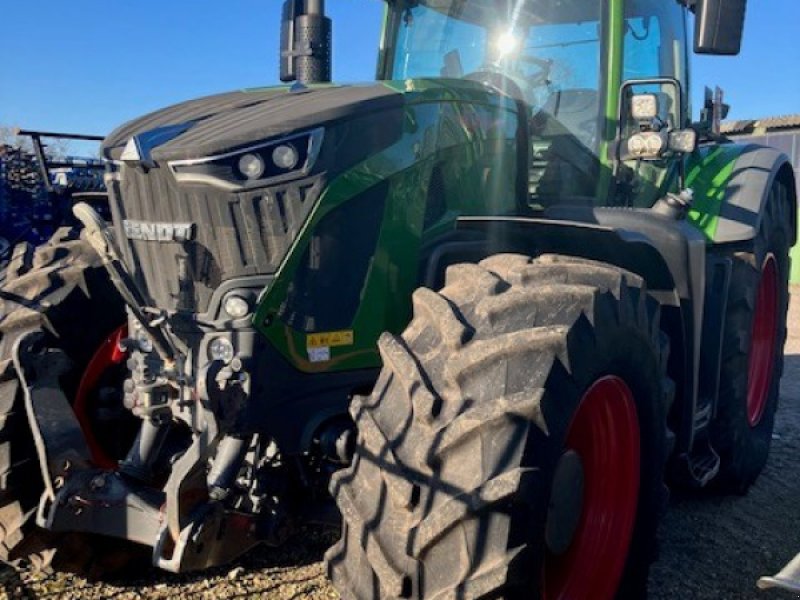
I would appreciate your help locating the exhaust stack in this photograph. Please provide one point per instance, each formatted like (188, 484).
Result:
(305, 42)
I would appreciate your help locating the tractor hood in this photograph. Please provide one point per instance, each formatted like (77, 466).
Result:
(201, 245)
(223, 122)
(187, 218)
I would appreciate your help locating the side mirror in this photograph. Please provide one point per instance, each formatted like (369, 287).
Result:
(719, 25)
(305, 42)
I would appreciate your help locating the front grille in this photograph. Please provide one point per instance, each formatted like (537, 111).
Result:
(235, 234)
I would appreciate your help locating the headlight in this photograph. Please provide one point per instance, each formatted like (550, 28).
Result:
(252, 166)
(644, 107)
(275, 160)
(285, 157)
(683, 141)
(647, 145)
(236, 306)
(221, 349)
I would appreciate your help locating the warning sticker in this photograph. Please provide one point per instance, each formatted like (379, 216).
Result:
(329, 339)
(319, 354)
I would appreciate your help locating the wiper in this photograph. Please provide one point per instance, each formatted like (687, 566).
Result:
(563, 44)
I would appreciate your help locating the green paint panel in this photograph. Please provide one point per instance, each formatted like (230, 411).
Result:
(614, 44)
(709, 170)
(457, 155)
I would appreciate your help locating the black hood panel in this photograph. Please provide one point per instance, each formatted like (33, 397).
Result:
(227, 121)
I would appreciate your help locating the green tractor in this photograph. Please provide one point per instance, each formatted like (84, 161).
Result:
(491, 305)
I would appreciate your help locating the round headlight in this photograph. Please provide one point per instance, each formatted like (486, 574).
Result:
(655, 144)
(252, 166)
(637, 145)
(221, 349)
(285, 157)
(236, 306)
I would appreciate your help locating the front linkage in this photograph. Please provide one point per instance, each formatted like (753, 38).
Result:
(174, 490)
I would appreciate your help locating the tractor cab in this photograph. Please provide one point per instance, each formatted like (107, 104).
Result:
(590, 76)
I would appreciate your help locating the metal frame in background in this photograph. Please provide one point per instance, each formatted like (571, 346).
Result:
(44, 164)
(45, 167)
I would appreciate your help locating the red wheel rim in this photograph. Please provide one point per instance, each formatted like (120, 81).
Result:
(106, 356)
(762, 342)
(605, 434)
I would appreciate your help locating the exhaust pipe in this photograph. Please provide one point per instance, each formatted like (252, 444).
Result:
(305, 42)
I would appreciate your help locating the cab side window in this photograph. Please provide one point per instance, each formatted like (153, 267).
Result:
(655, 45)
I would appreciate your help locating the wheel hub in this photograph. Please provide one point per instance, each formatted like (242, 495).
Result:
(603, 445)
(88, 398)
(566, 503)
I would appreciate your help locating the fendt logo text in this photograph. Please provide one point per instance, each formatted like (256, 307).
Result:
(158, 232)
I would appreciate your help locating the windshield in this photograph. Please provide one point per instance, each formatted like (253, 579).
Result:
(541, 46)
(545, 52)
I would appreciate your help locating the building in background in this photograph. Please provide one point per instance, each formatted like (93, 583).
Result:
(782, 133)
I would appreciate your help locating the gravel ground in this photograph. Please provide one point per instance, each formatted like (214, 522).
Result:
(715, 548)
(712, 548)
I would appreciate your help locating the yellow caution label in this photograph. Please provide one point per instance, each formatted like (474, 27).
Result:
(329, 339)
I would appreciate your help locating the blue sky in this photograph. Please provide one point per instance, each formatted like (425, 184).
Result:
(88, 66)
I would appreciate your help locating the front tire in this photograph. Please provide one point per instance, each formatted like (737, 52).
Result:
(521, 386)
(62, 290)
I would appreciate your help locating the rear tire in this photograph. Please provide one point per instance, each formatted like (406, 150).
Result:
(471, 419)
(750, 374)
(62, 290)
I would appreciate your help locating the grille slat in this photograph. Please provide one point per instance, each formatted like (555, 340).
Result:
(257, 247)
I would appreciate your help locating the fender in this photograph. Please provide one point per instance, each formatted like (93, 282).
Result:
(731, 184)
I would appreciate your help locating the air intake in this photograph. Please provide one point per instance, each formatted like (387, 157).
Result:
(305, 42)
